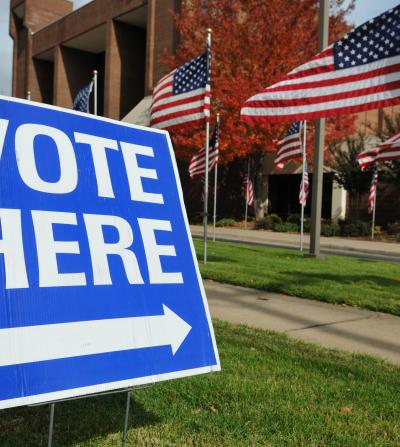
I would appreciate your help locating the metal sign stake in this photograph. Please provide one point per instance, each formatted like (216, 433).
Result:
(128, 405)
(51, 425)
(127, 410)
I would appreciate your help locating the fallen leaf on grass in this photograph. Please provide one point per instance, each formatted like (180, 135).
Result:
(212, 409)
(345, 409)
(10, 425)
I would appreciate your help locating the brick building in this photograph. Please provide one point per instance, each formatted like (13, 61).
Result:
(56, 49)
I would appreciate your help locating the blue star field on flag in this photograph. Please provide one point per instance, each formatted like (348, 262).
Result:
(294, 129)
(289, 148)
(81, 101)
(376, 39)
(182, 97)
(214, 138)
(191, 76)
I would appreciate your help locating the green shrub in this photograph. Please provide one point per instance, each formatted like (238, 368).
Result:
(330, 230)
(294, 218)
(286, 228)
(394, 229)
(268, 222)
(365, 228)
(275, 219)
(196, 218)
(357, 228)
(326, 222)
(263, 224)
(350, 229)
(225, 223)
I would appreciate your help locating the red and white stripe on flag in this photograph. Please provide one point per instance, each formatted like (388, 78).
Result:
(248, 185)
(387, 151)
(182, 97)
(359, 72)
(304, 188)
(198, 162)
(372, 191)
(289, 148)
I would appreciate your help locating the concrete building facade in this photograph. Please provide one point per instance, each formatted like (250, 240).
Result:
(56, 50)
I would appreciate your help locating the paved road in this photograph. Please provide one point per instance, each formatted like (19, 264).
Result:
(332, 245)
(332, 326)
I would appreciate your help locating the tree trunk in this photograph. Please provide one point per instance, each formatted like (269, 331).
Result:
(358, 206)
(261, 189)
(354, 206)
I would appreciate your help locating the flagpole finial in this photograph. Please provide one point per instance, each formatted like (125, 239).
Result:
(209, 30)
(95, 72)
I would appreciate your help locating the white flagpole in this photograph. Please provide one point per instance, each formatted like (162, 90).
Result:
(205, 218)
(95, 91)
(302, 182)
(215, 184)
(373, 213)
(246, 194)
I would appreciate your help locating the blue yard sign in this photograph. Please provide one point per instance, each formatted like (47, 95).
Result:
(100, 287)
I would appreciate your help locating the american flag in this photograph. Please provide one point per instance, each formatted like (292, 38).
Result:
(289, 147)
(198, 162)
(372, 191)
(304, 186)
(387, 151)
(359, 72)
(249, 193)
(81, 101)
(203, 182)
(182, 97)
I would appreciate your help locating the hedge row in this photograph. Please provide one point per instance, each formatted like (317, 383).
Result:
(328, 228)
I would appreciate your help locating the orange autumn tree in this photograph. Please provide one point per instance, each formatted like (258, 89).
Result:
(254, 44)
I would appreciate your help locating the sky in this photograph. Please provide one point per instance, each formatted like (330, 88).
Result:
(365, 10)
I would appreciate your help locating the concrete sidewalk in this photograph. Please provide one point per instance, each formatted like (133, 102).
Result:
(333, 245)
(332, 326)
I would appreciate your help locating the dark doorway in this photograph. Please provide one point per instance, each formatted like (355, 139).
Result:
(284, 195)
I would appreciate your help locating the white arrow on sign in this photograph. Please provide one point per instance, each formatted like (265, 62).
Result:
(56, 341)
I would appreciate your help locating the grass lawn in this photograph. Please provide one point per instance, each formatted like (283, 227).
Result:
(273, 391)
(369, 284)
